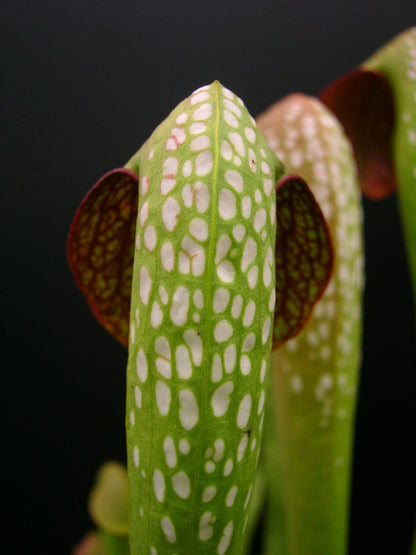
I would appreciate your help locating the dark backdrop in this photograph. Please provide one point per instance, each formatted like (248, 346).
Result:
(83, 85)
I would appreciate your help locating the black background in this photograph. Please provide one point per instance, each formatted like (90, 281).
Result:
(83, 85)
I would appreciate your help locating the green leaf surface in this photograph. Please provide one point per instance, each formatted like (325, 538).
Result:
(201, 321)
(309, 426)
(203, 296)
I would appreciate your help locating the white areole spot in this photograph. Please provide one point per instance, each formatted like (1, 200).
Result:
(197, 128)
(230, 357)
(201, 194)
(138, 396)
(150, 238)
(167, 256)
(136, 457)
(194, 342)
(250, 134)
(162, 347)
(187, 194)
(203, 112)
(163, 397)
(144, 213)
(209, 467)
(242, 447)
(219, 449)
(141, 366)
(244, 410)
(203, 163)
(145, 185)
(222, 248)
(186, 171)
(267, 268)
(145, 285)
(188, 409)
(159, 485)
(266, 331)
(192, 257)
(180, 306)
(225, 539)
(200, 143)
(249, 253)
(229, 500)
(260, 219)
(247, 501)
(164, 297)
(223, 331)
(198, 97)
(245, 365)
(227, 207)
(226, 150)
(208, 494)
(205, 526)
(249, 342)
(246, 206)
(261, 403)
(237, 142)
(226, 271)
(234, 178)
(249, 313)
(272, 300)
(170, 166)
(170, 213)
(216, 371)
(227, 93)
(238, 232)
(252, 276)
(230, 119)
(181, 485)
(198, 298)
(296, 383)
(170, 452)
(167, 184)
(221, 300)
(228, 467)
(296, 158)
(184, 446)
(268, 187)
(265, 168)
(156, 315)
(232, 107)
(220, 399)
(198, 228)
(168, 529)
(181, 118)
(183, 362)
(177, 137)
(237, 306)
